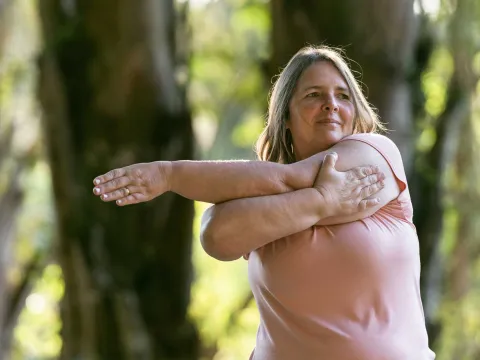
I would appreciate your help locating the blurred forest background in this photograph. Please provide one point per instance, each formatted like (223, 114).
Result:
(89, 85)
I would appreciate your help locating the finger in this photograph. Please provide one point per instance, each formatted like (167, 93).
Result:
(364, 171)
(370, 190)
(112, 174)
(121, 193)
(367, 204)
(132, 199)
(371, 179)
(112, 185)
(114, 195)
(330, 160)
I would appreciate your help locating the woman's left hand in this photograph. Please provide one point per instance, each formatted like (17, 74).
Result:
(345, 193)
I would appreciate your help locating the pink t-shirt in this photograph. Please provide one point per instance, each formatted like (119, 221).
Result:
(344, 292)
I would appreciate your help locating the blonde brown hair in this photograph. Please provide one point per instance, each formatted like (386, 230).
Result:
(275, 142)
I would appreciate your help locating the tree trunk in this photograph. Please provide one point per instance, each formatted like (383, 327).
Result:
(110, 98)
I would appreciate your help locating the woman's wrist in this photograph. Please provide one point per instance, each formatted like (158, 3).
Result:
(322, 208)
(166, 168)
(302, 174)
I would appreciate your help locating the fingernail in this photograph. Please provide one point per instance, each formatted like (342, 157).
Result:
(97, 181)
(382, 183)
(104, 196)
(119, 202)
(97, 191)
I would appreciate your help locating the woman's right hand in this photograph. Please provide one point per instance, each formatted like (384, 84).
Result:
(347, 192)
(135, 183)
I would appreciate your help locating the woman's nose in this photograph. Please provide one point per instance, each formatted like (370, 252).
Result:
(330, 105)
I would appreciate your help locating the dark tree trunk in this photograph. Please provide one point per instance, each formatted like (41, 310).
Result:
(110, 98)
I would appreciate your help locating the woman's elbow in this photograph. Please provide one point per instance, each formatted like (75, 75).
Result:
(214, 242)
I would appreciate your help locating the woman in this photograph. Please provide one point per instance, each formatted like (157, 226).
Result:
(334, 270)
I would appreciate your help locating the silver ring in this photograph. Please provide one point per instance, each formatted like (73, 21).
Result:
(127, 192)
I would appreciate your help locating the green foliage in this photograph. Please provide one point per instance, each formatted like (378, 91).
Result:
(246, 133)
(459, 313)
(230, 42)
(450, 231)
(461, 333)
(476, 64)
(435, 81)
(38, 331)
(228, 98)
(220, 290)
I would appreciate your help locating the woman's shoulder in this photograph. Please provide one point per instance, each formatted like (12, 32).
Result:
(376, 137)
(378, 141)
(386, 147)
(390, 152)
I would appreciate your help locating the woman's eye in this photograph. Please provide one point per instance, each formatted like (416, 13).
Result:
(313, 94)
(344, 96)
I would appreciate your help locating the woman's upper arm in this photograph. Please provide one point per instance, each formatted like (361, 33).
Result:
(353, 153)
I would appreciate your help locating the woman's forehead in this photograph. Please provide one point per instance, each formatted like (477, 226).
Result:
(322, 74)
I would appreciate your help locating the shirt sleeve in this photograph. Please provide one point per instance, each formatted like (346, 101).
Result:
(388, 150)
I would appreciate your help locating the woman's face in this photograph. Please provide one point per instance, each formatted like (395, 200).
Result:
(321, 110)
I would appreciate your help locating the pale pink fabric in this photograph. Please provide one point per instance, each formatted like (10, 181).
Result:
(344, 292)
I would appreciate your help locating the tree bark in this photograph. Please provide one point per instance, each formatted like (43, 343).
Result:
(110, 98)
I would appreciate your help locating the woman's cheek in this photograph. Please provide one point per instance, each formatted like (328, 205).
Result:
(348, 116)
